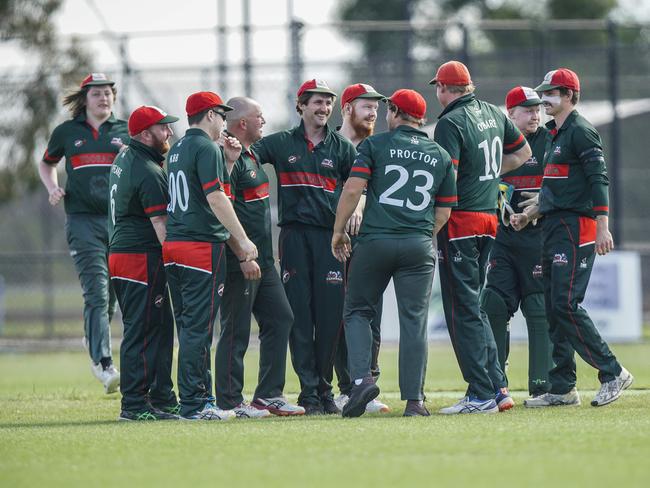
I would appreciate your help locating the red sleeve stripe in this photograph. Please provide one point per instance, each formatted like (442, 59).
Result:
(361, 169)
(210, 184)
(227, 189)
(454, 162)
(601, 209)
(447, 199)
(155, 208)
(519, 140)
(50, 159)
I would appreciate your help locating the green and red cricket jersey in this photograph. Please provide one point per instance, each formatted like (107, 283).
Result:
(249, 190)
(137, 192)
(88, 154)
(408, 174)
(476, 134)
(575, 174)
(310, 178)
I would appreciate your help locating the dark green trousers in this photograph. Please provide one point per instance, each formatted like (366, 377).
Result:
(148, 340)
(314, 283)
(87, 237)
(409, 261)
(266, 300)
(514, 279)
(567, 260)
(196, 273)
(464, 244)
(341, 359)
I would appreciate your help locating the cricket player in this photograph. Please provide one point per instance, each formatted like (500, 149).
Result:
(514, 273)
(406, 175)
(89, 142)
(200, 221)
(138, 215)
(252, 287)
(483, 144)
(311, 162)
(575, 205)
(359, 107)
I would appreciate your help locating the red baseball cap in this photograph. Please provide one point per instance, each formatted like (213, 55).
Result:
(315, 86)
(562, 77)
(452, 73)
(144, 117)
(410, 102)
(96, 79)
(359, 90)
(200, 101)
(522, 96)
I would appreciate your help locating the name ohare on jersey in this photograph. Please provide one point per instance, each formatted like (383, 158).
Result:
(487, 124)
(409, 154)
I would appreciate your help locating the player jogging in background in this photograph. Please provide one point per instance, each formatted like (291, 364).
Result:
(359, 106)
(406, 175)
(200, 220)
(136, 223)
(311, 162)
(252, 287)
(575, 205)
(89, 143)
(483, 143)
(514, 271)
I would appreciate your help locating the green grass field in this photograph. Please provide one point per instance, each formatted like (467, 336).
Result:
(57, 428)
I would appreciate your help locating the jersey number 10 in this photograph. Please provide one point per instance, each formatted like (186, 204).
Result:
(493, 157)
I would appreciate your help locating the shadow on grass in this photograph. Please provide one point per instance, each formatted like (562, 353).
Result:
(38, 425)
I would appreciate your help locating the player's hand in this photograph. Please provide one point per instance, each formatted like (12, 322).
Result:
(532, 199)
(519, 221)
(231, 148)
(56, 194)
(604, 239)
(354, 223)
(341, 246)
(248, 250)
(251, 270)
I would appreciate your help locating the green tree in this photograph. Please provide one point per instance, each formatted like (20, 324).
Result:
(35, 98)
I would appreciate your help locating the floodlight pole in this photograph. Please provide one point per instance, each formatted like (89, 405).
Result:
(615, 146)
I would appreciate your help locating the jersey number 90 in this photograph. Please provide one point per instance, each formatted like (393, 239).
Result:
(179, 192)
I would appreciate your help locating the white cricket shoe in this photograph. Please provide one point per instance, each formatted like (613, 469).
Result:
(278, 406)
(210, 412)
(341, 400)
(571, 398)
(246, 411)
(373, 406)
(471, 405)
(109, 377)
(611, 390)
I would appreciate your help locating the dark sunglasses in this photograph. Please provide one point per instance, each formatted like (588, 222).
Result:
(222, 114)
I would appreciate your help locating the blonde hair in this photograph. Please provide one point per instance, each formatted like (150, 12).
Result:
(462, 89)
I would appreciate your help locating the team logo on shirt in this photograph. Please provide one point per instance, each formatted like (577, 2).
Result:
(457, 258)
(158, 301)
(537, 271)
(334, 277)
(117, 141)
(557, 150)
(328, 163)
(560, 259)
(583, 263)
(285, 276)
(292, 159)
(79, 142)
(252, 174)
(220, 289)
(532, 162)
(415, 140)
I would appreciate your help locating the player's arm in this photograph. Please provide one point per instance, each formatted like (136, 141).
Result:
(225, 213)
(449, 137)
(446, 196)
(159, 223)
(47, 167)
(442, 215)
(350, 196)
(516, 150)
(354, 223)
(590, 153)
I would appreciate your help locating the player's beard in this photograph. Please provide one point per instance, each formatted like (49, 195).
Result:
(160, 145)
(362, 127)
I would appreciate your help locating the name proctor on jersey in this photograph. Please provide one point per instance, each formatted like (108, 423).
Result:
(416, 155)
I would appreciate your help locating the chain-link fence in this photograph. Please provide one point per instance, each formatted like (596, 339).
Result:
(41, 294)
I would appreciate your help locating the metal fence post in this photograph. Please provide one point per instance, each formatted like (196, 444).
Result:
(295, 70)
(222, 47)
(246, 39)
(615, 146)
(47, 275)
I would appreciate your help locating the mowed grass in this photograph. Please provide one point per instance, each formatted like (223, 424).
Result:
(57, 428)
